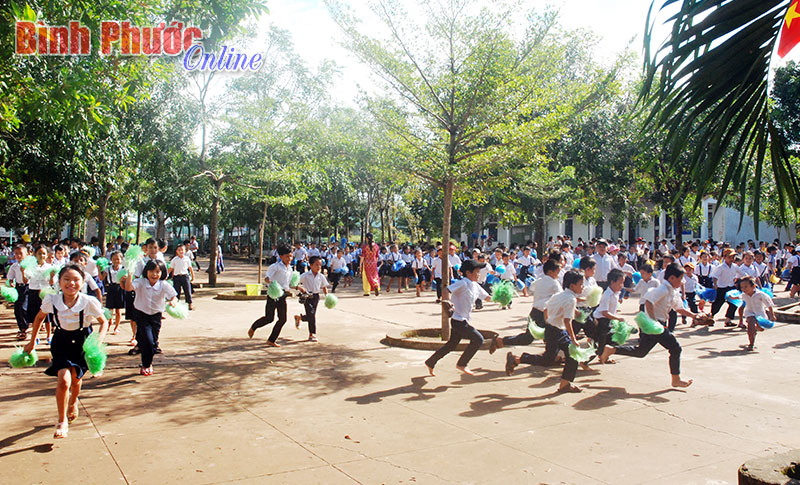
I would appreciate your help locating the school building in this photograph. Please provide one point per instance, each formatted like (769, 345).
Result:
(722, 226)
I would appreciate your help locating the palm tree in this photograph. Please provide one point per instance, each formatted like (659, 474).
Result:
(709, 81)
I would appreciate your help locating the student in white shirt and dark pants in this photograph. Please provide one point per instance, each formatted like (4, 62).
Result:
(724, 277)
(280, 271)
(182, 274)
(311, 283)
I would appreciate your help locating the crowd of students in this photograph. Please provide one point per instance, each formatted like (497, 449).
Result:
(69, 282)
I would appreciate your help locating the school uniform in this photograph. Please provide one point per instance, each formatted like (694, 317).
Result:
(419, 266)
(725, 276)
(72, 326)
(299, 255)
(313, 284)
(525, 263)
(463, 294)
(181, 278)
(115, 295)
(407, 258)
(664, 298)
(36, 283)
(703, 272)
(756, 306)
(510, 273)
(559, 307)
(454, 260)
(437, 276)
(149, 303)
(335, 271)
(605, 264)
(93, 271)
(543, 289)
(690, 290)
(282, 274)
(601, 329)
(390, 260)
(21, 305)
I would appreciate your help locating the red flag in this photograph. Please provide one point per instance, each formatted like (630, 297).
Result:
(790, 32)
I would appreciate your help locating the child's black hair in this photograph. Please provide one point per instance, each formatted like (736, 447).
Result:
(586, 263)
(153, 264)
(72, 267)
(673, 269)
(550, 265)
(615, 275)
(646, 268)
(313, 259)
(571, 277)
(283, 249)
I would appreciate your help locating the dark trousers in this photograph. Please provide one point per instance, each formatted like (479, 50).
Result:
(646, 344)
(310, 306)
(690, 300)
(335, 277)
(720, 300)
(21, 308)
(34, 305)
(599, 330)
(181, 282)
(459, 330)
(278, 305)
(438, 288)
(555, 339)
(673, 320)
(525, 338)
(147, 329)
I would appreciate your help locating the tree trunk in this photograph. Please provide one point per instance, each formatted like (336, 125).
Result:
(101, 218)
(679, 225)
(212, 235)
(261, 241)
(448, 209)
(138, 219)
(538, 232)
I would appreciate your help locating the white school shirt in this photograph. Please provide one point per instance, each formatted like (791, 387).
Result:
(483, 274)
(724, 274)
(140, 264)
(152, 299)
(525, 260)
(418, 264)
(437, 267)
(632, 256)
(609, 302)
(392, 257)
(756, 305)
(744, 270)
(91, 267)
(560, 306)
(510, 273)
(281, 273)
(89, 284)
(112, 274)
(604, 265)
(313, 283)
(69, 318)
(454, 260)
(160, 256)
(180, 266)
(15, 273)
(686, 259)
(349, 257)
(793, 261)
(761, 268)
(338, 263)
(543, 289)
(642, 287)
(690, 283)
(588, 283)
(569, 258)
(37, 280)
(703, 269)
(463, 294)
(300, 254)
(627, 269)
(313, 252)
(428, 259)
(408, 258)
(664, 298)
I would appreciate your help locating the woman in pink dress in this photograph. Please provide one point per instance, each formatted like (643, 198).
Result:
(369, 267)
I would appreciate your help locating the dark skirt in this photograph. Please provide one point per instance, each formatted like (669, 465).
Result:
(66, 347)
(115, 296)
(795, 278)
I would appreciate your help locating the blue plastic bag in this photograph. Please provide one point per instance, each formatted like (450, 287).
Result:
(637, 277)
(500, 269)
(764, 323)
(576, 263)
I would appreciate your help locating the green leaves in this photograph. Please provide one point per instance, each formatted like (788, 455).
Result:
(709, 81)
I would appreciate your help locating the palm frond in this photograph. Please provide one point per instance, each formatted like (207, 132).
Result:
(709, 81)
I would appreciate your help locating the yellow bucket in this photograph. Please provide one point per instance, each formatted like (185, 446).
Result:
(774, 279)
(253, 290)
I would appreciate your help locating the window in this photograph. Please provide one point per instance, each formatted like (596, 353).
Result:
(710, 219)
(568, 228)
(598, 230)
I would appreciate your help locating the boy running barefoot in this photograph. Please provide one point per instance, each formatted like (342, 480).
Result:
(463, 294)
(658, 303)
(756, 304)
(558, 333)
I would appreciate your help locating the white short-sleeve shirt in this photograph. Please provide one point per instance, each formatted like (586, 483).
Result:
(151, 299)
(725, 275)
(313, 283)
(609, 302)
(69, 318)
(560, 307)
(180, 266)
(664, 298)
(463, 294)
(756, 305)
(543, 289)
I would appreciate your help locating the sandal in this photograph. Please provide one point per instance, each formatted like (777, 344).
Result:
(61, 430)
(73, 413)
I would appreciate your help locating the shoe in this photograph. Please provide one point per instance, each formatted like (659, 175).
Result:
(48, 340)
(511, 363)
(135, 351)
(157, 351)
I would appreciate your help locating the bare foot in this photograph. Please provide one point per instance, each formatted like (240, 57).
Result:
(465, 370)
(585, 366)
(677, 382)
(430, 370)
(569, 387)
(272, 344)
(607, 352)
(250, 332)
(297, 321)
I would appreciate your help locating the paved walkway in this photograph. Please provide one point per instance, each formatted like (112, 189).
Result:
(222, 408)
